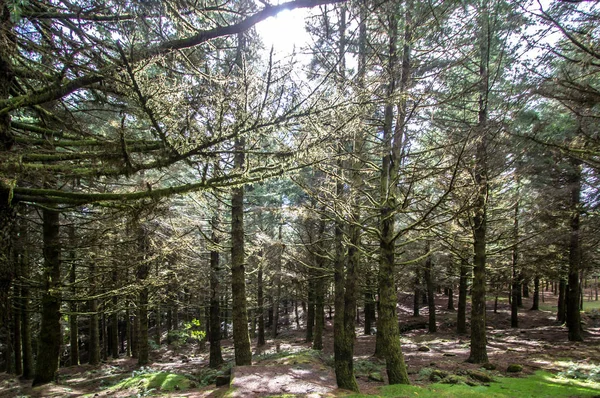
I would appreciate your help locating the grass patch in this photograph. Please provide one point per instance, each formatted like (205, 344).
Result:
(541, 384)
(290, 358)
(591, 305)
(160, 381)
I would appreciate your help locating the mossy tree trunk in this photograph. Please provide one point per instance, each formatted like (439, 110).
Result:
(50, 337)
(393, 141)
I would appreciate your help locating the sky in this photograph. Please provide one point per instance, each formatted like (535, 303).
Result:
(284, 31)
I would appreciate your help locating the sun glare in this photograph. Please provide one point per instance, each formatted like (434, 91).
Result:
(284, 31)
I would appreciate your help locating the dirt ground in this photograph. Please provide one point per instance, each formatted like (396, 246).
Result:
(539, 343)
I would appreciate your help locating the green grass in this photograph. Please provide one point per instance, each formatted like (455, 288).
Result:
(591, 305)
(541, 384)
(161, 381)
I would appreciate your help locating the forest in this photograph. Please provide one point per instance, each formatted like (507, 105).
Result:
(407, 199)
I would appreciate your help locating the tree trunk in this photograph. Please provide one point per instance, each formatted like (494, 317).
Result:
(536, 294)
(50, 337)
(430, 292)
(26, 340)
(450, 300)
(369, 311)
(143, 271)
(114, 320)
(317, 343)
(241, 338)
(215, 356)
(310, 311)
(94, 332)
(73, 321)
(561, 311)
(417, 294)
(478, 352)
(7, 211)
(260, 303)
(461, 315)
(573, 287)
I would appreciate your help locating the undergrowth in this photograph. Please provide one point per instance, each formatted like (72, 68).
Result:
(541, 384)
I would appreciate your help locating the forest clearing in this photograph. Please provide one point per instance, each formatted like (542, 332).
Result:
(299, 198)
(287, 366)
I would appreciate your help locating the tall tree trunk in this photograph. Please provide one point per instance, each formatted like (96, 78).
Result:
(310, 310)
(143, 271)
(73, 307)
(430, 291)
(393, 138)
(319, 309)
(450, 299)
(277, 283)
(561, 310)
(16, 317)
(573, 287)
(215, 357)
(26, 339)
(320, 273)
(461, 315)
(50, 336)
(7, 271)
(241, 338)
(94, 331)
(536, 293)
(417, 294)
(369, 311)
(260, 303)
(478, 352)
(516, 280)
(7, 211)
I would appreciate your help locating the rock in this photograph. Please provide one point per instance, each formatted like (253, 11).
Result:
(375, 376)
(423, 348)
(223, 380)
(514, 368)
(488, 366)
(480, 376)
(449, 354)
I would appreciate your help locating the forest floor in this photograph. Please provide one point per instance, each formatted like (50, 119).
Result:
(287, 367)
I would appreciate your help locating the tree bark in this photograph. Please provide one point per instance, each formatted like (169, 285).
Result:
(417, 294)
(215, 356)
(478, 353)
(573, 287)
(73, 307)
(536, 294)
(50, 337)
(260, 303)
(310, 310)
(461, 315)
(430, 292)
(561, 311)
